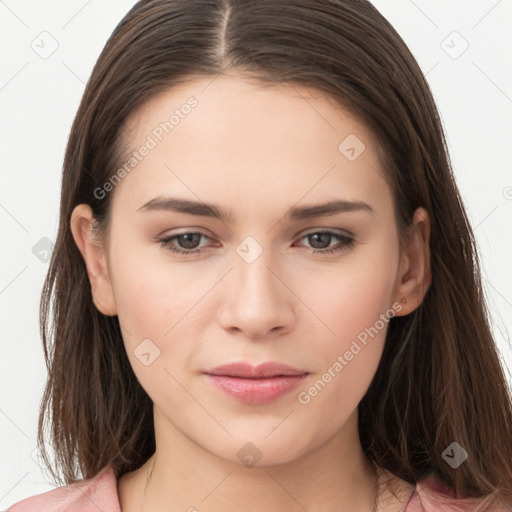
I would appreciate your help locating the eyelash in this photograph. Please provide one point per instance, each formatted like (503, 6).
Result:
(347, 242)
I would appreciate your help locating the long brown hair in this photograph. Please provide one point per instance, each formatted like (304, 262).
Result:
(440, 379)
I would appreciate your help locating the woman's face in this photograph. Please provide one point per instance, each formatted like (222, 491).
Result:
(255, 164)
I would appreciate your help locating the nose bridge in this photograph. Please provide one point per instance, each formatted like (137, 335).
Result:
(258, 300)
(252, 272)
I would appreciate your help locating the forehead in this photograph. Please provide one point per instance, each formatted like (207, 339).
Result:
(232, 136)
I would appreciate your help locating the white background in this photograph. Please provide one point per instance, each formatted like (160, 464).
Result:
(38, 101)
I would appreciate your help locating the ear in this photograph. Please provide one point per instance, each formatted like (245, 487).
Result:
(95, 259)
(414, 277)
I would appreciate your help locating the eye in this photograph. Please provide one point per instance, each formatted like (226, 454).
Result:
(324, 238)
(320, 240)
(189, 241)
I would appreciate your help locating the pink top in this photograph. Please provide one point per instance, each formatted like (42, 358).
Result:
(100, 493)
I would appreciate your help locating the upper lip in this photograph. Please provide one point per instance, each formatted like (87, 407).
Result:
(246, 370)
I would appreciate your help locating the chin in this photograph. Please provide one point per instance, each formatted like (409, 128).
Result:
(261, 449)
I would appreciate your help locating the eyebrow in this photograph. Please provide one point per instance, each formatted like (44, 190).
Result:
(190, 207)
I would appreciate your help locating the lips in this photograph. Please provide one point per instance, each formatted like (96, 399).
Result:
(264, 370)
(255, 384)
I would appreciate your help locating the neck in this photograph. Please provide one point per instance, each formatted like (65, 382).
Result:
(181, 475)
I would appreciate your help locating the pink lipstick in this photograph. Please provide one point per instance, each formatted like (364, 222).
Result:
(256, 384)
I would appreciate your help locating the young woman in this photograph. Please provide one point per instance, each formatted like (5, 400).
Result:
(265, 293)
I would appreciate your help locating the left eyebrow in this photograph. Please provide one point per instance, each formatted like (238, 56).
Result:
(330, 208)
(187, 206)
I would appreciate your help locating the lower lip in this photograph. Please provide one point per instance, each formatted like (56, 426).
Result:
(256, 391)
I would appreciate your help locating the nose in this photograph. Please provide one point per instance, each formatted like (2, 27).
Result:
(257, 298)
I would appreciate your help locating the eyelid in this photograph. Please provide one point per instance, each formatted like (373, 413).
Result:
(166, 233)
(337, 231)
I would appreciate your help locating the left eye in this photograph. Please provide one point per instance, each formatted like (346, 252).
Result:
(189, 242)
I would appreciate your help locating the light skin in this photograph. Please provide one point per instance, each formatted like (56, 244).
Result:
(255, 152)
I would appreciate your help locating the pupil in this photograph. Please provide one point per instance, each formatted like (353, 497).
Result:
(188, 243)
(315, 239)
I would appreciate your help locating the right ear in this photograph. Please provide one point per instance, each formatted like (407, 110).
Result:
(95, 259)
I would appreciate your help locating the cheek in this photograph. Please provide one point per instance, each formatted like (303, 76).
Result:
(351, 297)
(163, 302)
(153, 294)
(354, 304)
(154, 311)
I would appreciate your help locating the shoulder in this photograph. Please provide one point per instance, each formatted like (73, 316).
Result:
(97, 493)
(432, 495)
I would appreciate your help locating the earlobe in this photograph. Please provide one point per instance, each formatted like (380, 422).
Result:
(414, 278)
(95, 259)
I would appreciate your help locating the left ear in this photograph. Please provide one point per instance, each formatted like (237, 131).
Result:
(414, 275)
